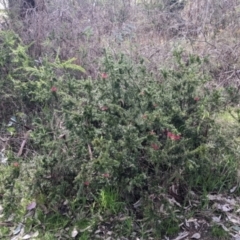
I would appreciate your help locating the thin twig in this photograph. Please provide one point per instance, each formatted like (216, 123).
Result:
(26, 135)
(90, 152)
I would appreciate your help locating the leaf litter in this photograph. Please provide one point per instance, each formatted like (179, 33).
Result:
(223, 211)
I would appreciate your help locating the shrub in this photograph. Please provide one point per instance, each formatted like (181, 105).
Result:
(129, 131)
(117, 138)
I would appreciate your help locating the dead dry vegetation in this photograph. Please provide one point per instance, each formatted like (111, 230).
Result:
(83, 29)
(88, 40)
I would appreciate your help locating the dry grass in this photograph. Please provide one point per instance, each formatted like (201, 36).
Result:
(82, 30)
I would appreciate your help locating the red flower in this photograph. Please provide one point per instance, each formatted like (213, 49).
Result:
(104, 108)
(154, 146)
(176, 137)
(16, 164)
(196, 99)
(173, 136)
(144, 116)
(86, 183)
(169, 134)
(53, 89)
(106, 175)
(104, 75)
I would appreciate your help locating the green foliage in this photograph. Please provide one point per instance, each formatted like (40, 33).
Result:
(219, 232)
(27, 84)
(96, 143)
(109, 201)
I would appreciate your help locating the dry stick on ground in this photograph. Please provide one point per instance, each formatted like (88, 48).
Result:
(90, 152)
(4, 143)
(26, 135)
(6, 224)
